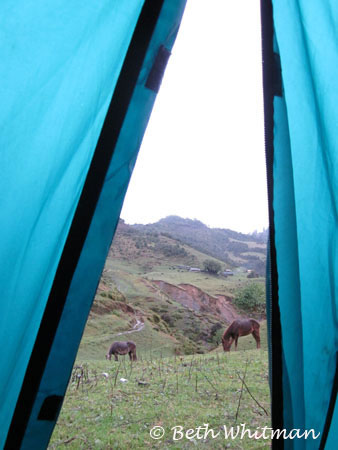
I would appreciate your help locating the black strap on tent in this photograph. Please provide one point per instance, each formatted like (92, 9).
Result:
(272, 87)
(331, 407)
(82, 220)
(277, 76)
(156, 73)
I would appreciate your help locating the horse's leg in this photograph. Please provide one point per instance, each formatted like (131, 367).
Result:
(116, 358)
(236, 341)
(255, 334)
(130, 355)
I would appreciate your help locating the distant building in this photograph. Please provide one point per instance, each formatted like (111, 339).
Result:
(184, 267)
(194, 269)
(252, 274)
(227, 273)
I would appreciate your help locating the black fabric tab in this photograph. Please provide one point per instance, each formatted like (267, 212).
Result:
(50, 408)
(277, 76)
(154, 79)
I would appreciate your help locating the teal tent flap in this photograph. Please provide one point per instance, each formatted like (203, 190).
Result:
(305, 212)
(100, 234)
(54, 100)
(61, 68)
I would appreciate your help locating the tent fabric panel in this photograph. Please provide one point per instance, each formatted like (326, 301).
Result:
(50, 123)
(307, 39)
(288, 271)
(86, 277)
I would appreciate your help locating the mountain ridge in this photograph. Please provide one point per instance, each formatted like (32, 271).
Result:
(231, 247)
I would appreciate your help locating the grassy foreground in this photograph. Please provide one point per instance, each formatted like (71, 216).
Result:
(115, 405)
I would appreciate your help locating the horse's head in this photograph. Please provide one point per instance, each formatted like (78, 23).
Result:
(108, 356)
(226, 344)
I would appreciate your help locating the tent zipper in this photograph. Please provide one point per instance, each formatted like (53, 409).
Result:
(271, 87)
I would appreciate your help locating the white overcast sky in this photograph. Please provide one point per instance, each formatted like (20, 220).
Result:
(202, 156)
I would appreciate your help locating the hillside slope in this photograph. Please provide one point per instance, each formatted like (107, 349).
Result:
(146, 280)
(233, 248)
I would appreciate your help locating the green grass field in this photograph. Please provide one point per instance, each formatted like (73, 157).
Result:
(102, 411)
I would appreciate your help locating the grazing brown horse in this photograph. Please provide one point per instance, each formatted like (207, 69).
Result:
(240, 327)
(122, 348)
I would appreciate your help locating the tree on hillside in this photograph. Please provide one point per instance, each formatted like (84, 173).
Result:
(212, 266)
(251, 298)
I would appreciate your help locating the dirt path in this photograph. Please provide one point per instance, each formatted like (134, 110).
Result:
(137, 327)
